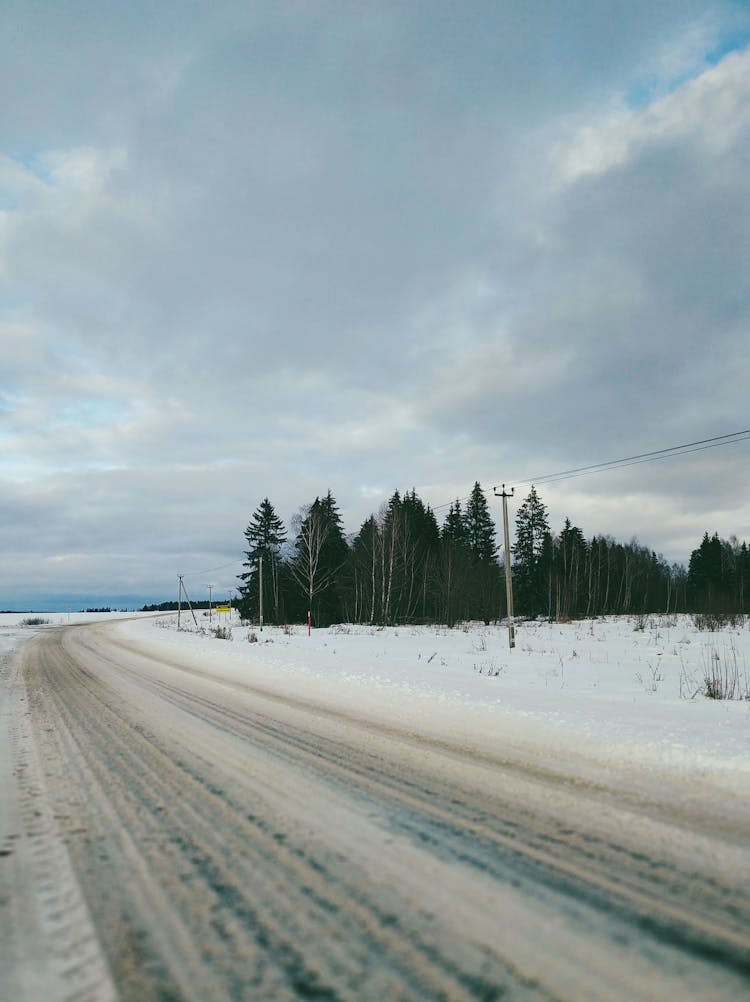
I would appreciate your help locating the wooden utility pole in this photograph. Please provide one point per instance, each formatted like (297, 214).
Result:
(187, 598)
(508, 579)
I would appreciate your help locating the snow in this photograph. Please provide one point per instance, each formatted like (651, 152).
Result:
(601, 697)
(14, 630)
(601, 686)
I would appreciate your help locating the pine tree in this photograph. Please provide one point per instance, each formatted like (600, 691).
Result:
(265, 535)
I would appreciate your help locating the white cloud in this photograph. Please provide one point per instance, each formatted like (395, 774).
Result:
(249, 254)
(712, 111)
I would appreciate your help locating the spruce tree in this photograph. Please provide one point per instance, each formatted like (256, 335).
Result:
(320, 554)
(455, 566)
(531, 527)
(571, 579)
(366, 571)
(711, 576)
(482, 590)
(265, 535)
(454, 526)
(478, 525)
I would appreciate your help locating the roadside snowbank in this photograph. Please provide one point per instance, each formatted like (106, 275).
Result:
(633, 694)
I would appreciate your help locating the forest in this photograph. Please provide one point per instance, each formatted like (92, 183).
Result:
(402, 567)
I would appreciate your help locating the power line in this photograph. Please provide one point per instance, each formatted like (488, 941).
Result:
(700, 445)
(635, 462)
(613, 464)
(643, 457)
(210, 570)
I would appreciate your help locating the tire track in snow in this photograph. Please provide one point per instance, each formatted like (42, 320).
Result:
(53, 950)
(694, 910)
(236, 890)
(230, 846)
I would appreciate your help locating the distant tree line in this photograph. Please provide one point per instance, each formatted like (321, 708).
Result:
(402, 566)
(173, 605)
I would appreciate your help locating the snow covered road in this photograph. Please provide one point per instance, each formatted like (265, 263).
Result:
(180, 835)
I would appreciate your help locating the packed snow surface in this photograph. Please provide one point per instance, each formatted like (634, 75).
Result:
(329, 782)
(618, 687)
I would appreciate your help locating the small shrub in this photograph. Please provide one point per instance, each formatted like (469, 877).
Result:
(287, 630)
(34, 621)
(222, 632)
(689, 685)
(723, 676)
(489, 667)
(640, 622)
(252, 637)
(712, 622)
(651, 684)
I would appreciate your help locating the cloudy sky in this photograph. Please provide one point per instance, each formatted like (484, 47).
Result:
(253, 249)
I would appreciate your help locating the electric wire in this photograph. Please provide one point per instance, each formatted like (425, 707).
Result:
(210, 570)
(656, 455)
(643, 457)
(717, 441)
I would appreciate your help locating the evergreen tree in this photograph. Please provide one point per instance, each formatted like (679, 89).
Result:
(419, 542)
(547, 573)
(571, 579)
(528, 572)
(320, 554)
(743, 578)
(454, 526)
(479, 527)
(334, 558)
(265, 535)
(391, 569)
(711, 576)
(455, 566)
(365, 566)
(483, 595)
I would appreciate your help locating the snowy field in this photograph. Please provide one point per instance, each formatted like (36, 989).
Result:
(601, 686)
(16, 627)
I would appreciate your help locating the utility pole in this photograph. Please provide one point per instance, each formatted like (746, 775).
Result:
(260, 591)
(210, 604)
(187, 598)
(508, 579)
(179, 603)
